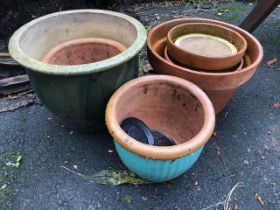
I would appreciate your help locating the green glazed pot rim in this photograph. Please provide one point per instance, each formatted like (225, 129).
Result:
(30, 63)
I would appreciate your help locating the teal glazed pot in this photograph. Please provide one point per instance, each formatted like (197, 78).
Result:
(167, 104)
(78, 94)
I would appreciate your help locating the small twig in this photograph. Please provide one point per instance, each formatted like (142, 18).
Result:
(226, 114)
(214, 205)
(225, 203)
(230, 194)
(77, 173)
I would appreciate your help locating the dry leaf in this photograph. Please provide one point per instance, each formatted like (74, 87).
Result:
(168, 183)
(271, 62)
(259, 198)
(218, 151)
(144, 198)
(276, 104)
(147, 68)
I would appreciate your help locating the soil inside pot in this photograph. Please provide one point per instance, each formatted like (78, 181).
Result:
(83, 51)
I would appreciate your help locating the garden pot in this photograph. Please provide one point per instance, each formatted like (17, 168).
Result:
(78, 94)
(235, 68)
(168, 104)
(220, 87)
(83, 51)
(227, 50)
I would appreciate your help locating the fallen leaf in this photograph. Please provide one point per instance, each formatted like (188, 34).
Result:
(271, 62)
(218, 151)
(168, 183)
(259, 198)
(246, 162)
(112, 177)
(266, 147)
(147, 68)
(144, 198)
(276, 104)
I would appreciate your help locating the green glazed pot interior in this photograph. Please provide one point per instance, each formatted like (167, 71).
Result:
(78, 94)
(30, 43)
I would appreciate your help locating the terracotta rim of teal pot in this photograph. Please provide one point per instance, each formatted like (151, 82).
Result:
(161, 152)
(209, 74)
(36, 65)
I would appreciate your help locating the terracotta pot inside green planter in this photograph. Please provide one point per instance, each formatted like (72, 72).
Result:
(78, 94)
(83, 51)
(168, 104)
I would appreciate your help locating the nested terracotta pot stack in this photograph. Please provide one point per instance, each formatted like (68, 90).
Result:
(216, 56)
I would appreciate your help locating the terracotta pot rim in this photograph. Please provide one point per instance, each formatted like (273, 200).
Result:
(240, 66)
(25, 60)
(222, 74)
(56, 49)
(161, 152)
(239, 51)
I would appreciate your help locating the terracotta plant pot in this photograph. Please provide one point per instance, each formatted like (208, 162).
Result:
(207, 62)
(168, 104)
(78, 94)
(220, 87)
(236, 68)
(83, 51)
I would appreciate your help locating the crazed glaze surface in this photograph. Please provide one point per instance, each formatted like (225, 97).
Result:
(156, 170)
(168, 104)
(78, 94)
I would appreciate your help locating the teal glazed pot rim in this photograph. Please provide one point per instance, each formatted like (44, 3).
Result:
(17, 53)
(160, 152)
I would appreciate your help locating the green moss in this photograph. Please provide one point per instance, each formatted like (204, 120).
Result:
(4, 191)
(231, 18)
(9, 162)
(128, 199)
(275, 40)
(231, 8)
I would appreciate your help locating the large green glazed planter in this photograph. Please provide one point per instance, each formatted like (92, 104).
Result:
(78, 94)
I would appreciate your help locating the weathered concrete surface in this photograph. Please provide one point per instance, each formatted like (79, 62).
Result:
(246, 147)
